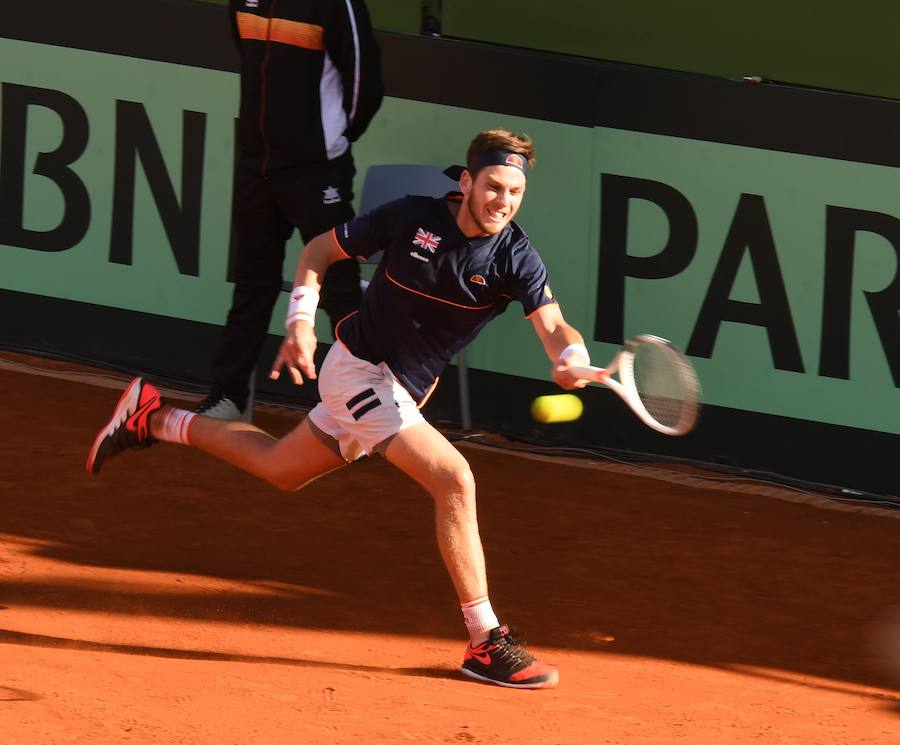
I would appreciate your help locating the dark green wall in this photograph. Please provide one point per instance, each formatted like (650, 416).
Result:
(846, 47)
(403, 16)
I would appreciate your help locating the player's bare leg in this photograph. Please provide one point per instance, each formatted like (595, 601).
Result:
(288, 463)
(140, 418)
(425, 455)
(494, 655)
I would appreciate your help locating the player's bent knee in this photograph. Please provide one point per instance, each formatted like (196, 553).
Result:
(459, 479)
(457, 488)
(465, 479)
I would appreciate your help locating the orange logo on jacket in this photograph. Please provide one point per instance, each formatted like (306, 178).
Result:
(478, 280)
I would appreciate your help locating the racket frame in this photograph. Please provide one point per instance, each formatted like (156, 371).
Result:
(626, 389)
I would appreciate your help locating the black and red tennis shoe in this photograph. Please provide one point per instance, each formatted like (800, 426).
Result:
(129, 426)
(503, 661)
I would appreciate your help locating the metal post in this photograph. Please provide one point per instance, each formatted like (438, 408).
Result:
(251, 396)
(431, 18)
(465, 412)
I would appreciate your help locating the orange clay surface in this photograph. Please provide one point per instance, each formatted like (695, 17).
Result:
(176, 600)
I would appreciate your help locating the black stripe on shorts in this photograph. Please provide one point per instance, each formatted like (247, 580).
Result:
(360, 397)
(363, 410)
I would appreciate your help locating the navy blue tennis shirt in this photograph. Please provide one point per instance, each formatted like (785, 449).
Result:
(434, 288)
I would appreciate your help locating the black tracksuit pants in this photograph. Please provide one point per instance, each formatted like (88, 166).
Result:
(265, 213)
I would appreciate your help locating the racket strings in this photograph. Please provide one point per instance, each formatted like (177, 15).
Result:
(665, 384)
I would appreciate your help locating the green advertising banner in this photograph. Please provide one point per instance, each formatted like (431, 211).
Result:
(776, 272)
(113, 121)
(132, 122)
(783, 283)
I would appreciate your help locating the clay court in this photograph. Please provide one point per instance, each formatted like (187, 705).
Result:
(176, 600)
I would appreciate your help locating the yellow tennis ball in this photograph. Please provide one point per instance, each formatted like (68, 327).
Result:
(563, 407)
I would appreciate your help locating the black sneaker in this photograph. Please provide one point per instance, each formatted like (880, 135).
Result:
(219, 406)
(503, 661)
(129, 426)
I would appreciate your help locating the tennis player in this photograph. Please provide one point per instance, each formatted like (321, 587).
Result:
(450, 265)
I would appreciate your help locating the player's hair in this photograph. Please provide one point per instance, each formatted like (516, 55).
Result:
(499, 139)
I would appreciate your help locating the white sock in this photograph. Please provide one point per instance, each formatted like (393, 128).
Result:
(480, 619)
(175, 425)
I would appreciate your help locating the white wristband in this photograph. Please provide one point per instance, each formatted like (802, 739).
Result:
(575, 349)
(302, 306)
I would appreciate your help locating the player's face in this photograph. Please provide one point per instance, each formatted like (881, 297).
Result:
(492, 199)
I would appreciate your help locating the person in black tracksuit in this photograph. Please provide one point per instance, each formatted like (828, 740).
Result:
(310, 85)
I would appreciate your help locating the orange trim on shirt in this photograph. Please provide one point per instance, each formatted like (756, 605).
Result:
(440, 300)
(337, 328)
(428, 393)
(552, 302)
(334, 235)
(295, 33)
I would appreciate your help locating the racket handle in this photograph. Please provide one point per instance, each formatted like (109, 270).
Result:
(594, 374)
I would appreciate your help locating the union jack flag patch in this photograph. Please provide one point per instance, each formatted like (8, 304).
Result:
(426, 239)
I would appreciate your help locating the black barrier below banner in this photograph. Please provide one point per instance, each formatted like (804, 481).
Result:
(738, 441)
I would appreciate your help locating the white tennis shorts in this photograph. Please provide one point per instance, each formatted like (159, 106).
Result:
(362, 404)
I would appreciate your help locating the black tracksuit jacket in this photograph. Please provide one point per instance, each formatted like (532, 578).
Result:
(310, 80)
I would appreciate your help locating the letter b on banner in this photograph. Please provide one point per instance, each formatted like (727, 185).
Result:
(53, 165)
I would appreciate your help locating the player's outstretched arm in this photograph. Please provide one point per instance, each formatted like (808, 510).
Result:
(319, 254)
(299, 346)
(563, 345)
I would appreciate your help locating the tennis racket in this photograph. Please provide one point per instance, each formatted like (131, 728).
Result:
(656, 381)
